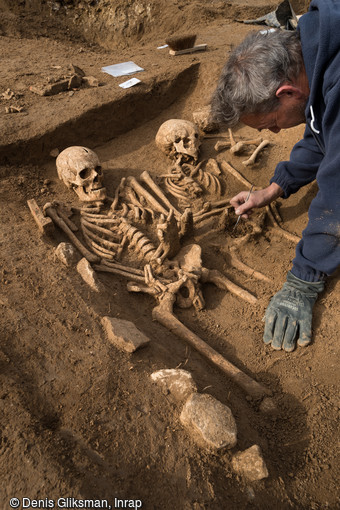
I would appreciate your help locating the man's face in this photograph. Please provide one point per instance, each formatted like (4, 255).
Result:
(288, 114)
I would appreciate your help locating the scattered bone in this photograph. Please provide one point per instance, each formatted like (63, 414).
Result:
(14, 109)
(236, 262)
(177, 382)
(145, 176)
(279, 230)
(8, 94)
(239, 146)
(91, 81)
(88, 275)
(52, 213)
(226, 167)
(148, 197)
(275, 212)
(250, 464)
(209, 421)
(208, 214)
(212, 167)
(124, 334)
(253, 157)
(66, 253)
(45, 225)
(222, 282)
(221, 146)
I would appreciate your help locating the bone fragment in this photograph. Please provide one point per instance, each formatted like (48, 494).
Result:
(212, 166)
(221, 146)
(148, 197)
(236, 262)
(98, 229)
(72, 226)
(146, 177)
(121, 185)
(279, 230)
(222, 282)
(133, 270)
(108, 269)
(252, 158)
(228, 168)
(163, 313)
(100, 240)
(176, 191)
(275, 212)
(237, 147)
(52, 213)
(45, 225)
(231, 136)
(206, 215)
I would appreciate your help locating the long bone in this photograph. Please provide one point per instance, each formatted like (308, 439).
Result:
(52, 213)
(148, 197)
(222, 282)
(253, 157)
(163, 313)
(146, 177)
(279, 230)
(228, 168)
(208, 214)
(114, 204)
(236, 262)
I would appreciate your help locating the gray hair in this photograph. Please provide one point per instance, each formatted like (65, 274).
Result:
(253, 73)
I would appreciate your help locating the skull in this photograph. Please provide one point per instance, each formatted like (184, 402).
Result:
(178, 137)
(81, 171)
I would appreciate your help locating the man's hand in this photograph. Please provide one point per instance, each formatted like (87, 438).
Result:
(289, 314)
(259, 198)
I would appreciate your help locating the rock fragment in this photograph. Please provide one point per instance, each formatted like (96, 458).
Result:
(124, 334)
(203, 119)
(88, 275)
(179, 383)
(66, 253)
(250, 464)
(209, 421)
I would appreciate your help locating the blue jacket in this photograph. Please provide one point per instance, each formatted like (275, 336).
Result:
(317, 155)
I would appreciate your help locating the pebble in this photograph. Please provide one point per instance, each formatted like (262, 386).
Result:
(209, 421)
(250, 464)
(66, 253)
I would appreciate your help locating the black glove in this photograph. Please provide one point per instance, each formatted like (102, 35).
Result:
(289, 314)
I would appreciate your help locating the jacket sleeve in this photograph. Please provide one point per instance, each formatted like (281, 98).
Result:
(318, 252)
(302, 167)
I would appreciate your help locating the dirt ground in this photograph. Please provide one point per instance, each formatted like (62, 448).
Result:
(80, 418)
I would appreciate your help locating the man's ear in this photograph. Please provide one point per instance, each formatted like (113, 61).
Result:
(289, 90)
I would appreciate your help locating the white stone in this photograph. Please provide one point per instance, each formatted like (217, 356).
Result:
(179, 383)
(209, 421)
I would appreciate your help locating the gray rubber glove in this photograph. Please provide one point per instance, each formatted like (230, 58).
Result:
(289, 314)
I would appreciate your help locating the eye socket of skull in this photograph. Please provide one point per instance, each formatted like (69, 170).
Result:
(86, 173)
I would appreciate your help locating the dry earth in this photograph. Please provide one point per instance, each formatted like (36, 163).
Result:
(79, 418)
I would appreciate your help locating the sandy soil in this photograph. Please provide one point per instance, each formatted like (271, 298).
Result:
(80, 418)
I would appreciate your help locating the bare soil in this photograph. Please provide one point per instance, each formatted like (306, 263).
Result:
(80, 418)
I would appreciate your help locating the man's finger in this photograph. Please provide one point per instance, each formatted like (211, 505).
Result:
(269, 327)
(279, 332)
(305, 333)
(289, 340)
